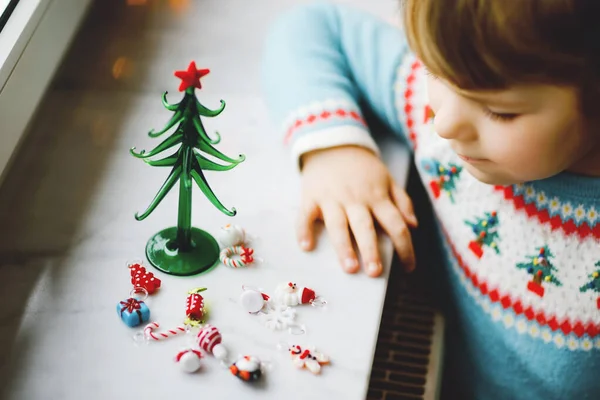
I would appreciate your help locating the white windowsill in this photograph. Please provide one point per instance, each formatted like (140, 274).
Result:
(32, 45)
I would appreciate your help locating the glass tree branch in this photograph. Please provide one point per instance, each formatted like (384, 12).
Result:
(166, 187)
(167, 105)
(178, 117)
(210, 165)
(164, 162)
(205, 188)
(205, 112)
(202, 132)
(207, 148)
(164, 145)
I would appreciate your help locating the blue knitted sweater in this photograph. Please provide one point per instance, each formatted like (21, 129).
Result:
(522, 262)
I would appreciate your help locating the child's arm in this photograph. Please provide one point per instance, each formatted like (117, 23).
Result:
(323, 65)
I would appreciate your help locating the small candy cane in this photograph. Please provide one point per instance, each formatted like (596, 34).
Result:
(161, 335)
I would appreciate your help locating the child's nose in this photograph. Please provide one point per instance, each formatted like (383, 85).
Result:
(452, 122)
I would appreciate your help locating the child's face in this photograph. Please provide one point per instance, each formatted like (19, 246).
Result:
(511, 136)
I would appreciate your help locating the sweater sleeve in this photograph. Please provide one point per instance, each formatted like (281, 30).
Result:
(324, 65)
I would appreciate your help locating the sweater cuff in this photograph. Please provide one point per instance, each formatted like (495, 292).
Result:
(341, 135)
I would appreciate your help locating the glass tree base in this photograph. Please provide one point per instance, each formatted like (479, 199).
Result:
(162, 252)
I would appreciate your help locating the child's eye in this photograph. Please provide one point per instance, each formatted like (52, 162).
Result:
(503, 117)
(431, 75)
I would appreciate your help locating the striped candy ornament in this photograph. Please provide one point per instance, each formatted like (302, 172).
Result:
(209, 340)
(245, 253)
(161, 335)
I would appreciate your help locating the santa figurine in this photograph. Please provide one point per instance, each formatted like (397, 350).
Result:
(291, 295)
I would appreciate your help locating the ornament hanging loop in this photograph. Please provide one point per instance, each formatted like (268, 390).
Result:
(138, 290)
(319, 302)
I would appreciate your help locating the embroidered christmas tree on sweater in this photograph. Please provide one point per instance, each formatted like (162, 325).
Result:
(541, 269)
(444, 177)
(486, 233)
(594, 284)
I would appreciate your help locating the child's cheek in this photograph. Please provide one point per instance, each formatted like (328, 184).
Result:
(434, 93)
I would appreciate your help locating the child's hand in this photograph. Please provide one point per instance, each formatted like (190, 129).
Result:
(346, 187)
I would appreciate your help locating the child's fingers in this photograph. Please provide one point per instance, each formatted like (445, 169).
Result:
(392, 222)
(363, 229)
(307, 216)
(339, 235)
(404, 204)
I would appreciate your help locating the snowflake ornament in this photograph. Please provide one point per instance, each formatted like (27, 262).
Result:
(279, 317)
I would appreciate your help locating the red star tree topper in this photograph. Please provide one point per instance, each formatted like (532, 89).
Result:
(191, 77)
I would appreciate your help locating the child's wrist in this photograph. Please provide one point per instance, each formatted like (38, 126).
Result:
(327, 152)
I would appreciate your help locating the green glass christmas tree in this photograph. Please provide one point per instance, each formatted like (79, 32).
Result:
(540, 267)
(486, 233)
(594, 284)
(185, 250)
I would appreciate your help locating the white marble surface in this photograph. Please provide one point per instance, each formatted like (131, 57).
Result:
(67, 226)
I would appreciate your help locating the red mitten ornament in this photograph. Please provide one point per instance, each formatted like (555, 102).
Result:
(142, 278)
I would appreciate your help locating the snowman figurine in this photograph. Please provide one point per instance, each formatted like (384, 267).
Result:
(232, 235)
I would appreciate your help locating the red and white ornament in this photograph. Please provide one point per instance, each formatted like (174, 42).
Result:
(195, 311)
(149, 333)
(189, 360)
(290, 294)
(209, 339)
(232, 235)
(142, 278)
(308, 357)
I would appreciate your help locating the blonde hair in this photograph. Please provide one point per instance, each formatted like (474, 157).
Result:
(493, 44)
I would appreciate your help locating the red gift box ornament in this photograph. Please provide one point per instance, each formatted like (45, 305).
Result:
(142, 278)
(195, 311)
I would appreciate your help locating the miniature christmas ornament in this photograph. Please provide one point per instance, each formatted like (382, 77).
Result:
(195, 311)
(142, 278)
(245, 256)
(252, 300)
(247, 368)
(593, 284)
(189, 360)
(308, 357)
(541, 269)
(290, 294)
(150, 335)
(280, 317)
(444, 177)
(185, 250)
(486, 234)
(133, 311)
(209, 340)
(232, 235)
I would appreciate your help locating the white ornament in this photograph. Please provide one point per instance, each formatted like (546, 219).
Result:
(287, 294)
(189, 360)
(232, 235)
(220, 352)
(252, 301)
(279, 317)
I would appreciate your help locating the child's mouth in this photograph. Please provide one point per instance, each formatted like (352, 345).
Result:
(471, 160)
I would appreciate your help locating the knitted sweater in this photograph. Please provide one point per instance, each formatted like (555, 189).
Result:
(522, 262)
